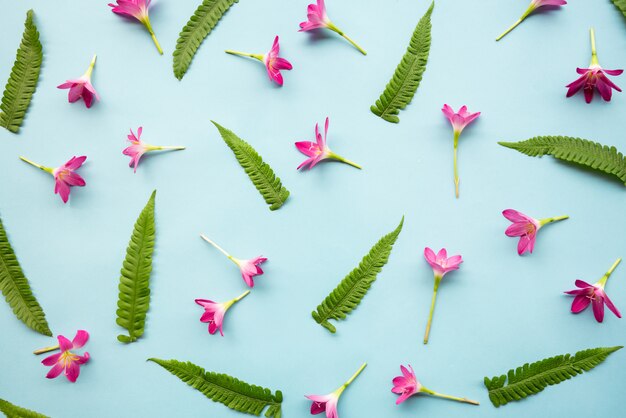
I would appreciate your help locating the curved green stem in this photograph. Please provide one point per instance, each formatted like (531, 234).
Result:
(344, 160)
(432, 309)
(602, 281)
(346, 37)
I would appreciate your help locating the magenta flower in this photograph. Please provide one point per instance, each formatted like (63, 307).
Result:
(273, 63)
(82, 87)
(214, 312)
(534, 5)
(66, 361)
(136, 9)
(407, 385)
(526, 228)
(328, 403)
(319, 150)
(138, 148)
(595, 295)
(249, 268)
(65, 176)
(593, 78)
(318, 19)
(459, 121)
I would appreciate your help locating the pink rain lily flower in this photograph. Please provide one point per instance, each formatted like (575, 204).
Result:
(137, 148)
(319, 150)
(65, 176)
(459, 121)
(534, 5)
(66, 361)
(595, 295)
(214, 312)
(82, 87)
(594, 77)
(407, 385)
(318, 19)
(136, 9)
(328, 403)
(249, 268)
(526, 228)
(273, 63)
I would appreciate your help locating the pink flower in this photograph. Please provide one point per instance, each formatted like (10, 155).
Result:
(595, 295)
(534, 5)
(65, 176)
(328, 403)
(407, 385)
(319, 150)
(136, 9)
(271, 60)
(526, 228)
(66, 361)
(138, 148)
(214, 312)
(249, 268)
(82, 87)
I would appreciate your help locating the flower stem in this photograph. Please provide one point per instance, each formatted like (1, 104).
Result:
(345, 160)
(456, 169)
(346, 37)
(602, 281)
(454, 398)
(594, 55)
(243, 295)
(355, 375)
(87, 74)
(156, 42)
(528, 11)
(172, 148)
(245, 54)
(432, 309)
(546, 221)
(220, 249)
(46, 349)
(39, 166)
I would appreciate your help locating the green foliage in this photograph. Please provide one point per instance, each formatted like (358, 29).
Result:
(348, 294)
(23, 79)
(14, 411)
(621, 5)
(232, 392)
(198, 27)
(260, 173)
(405, 81)
(581, 151)
(533, 378)
(134, 295)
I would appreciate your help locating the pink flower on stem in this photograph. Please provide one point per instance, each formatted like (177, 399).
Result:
(534, 5)
(82, 87)
(214, 312)
(318, 19)
(319, 150)
(526, 228)
(66, 361)
(441, 265)
(328, 403)
(594, 77)
(459, 121)
(273, 63)
(407, 385)
(595, 295)
(136, 9)
(65, 176)
(138, 148)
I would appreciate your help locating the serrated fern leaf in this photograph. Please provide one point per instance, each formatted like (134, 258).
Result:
(16, 290)
(405, 81)
(260, 173)
(576, 150)
(14, 411)
(535, 377)
(232, 392)
(22, 82)
(621, 5)
(134, 287)
(348, 294)
(200, 24)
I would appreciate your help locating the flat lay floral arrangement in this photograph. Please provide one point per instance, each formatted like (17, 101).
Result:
(259, 242)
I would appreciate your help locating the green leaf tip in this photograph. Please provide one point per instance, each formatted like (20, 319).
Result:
(351, 290)
(14, 411)
(621, 6)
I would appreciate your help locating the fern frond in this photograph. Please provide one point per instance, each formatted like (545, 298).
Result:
(408, 75)
(535, 377)
(232, 392)
(621, 6)
(576, 150)
(260, 173)
(348, 294)
(23, 79)
(14, 411)
(134, 287)
(200, 24)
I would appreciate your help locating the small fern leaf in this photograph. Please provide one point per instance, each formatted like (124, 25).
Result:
(134, 287)
(576, 150)
(199, 26)
(232, 392)
(23, 79)
(621, 5)
(16, 290)
(260, 173)
(408, 75)
(348, 294)
(535, 377)
(14, 411)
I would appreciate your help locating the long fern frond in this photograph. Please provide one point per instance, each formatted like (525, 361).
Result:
(14, 411)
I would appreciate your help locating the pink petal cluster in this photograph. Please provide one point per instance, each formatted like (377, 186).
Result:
(593, 294)
(82, 87)
(274, 63)
(540, 3)
(523, 226)
(593, 78)
(137, 149)
(250, 268)
(441, 263)
(460, 119)
(213, 315)
(66, 176)
(66, 361)
(317, 17)
(324, 403)
(137, 9)
(319, 150)
(406, 385)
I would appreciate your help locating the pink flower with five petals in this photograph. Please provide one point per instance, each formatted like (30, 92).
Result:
(138, 148)
(82, 87)
(273, 63)
(66, 361)
(65, 176)
(534, 5)
(137, 9)
(319, 150)
(248, 268)
(526, 228)
(328, 403)
(214, 312)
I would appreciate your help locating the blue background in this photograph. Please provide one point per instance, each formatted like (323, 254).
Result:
(499, 311)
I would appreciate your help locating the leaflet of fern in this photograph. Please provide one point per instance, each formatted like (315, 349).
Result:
(621, 5)
(14, 411)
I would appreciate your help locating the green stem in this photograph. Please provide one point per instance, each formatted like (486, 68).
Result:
(602, 281)
(162, 148)
(453, 398)
(344, 160)
(243, 295)
(46, 349)
(245, 54)
(594, 55)
(546, 221)
(148, 26)
(456, 169)
(87, 74)
(355, 375)
(432, 309)
(39, 166)
(528, 11)
(346, 37)
(220, 249)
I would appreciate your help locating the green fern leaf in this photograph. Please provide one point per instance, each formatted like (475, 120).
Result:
(134, 295)
(23, 79)
(16, 289)
(621, 5)
(260, 173)
(232, 392)
(581, 151)
(348, 294)
(535, 377)
(14, 411)
(198, 27)
(405, 81)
